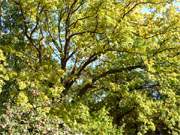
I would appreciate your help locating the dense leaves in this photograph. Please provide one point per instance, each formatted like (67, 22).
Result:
(89, 67)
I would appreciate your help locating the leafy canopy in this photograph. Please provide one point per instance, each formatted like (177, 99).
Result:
(89, 66)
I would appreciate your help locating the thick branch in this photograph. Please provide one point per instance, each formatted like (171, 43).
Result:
(90, 60)
(61, 14)
(67, 40)
(69, 82)
(104, 74)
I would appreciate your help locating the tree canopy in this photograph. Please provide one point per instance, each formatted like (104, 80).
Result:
(89, 67)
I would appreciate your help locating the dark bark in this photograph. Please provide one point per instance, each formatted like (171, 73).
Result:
(85, 89)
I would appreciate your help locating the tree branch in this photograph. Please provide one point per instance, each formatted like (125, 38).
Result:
(104, 74)
(136, 4)
(37, 19)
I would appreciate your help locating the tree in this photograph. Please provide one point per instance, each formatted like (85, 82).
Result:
(120, 56)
